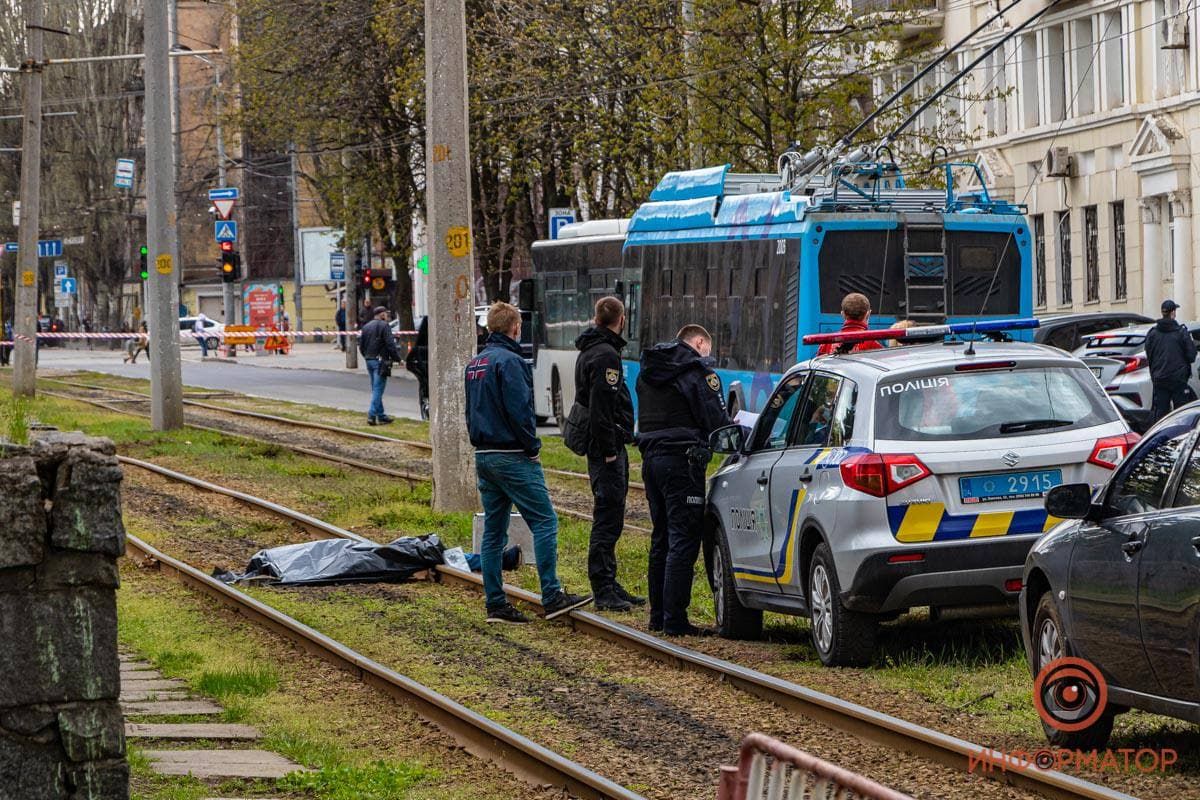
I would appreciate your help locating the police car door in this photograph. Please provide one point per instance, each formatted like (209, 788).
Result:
(748, 516)
(802, 474)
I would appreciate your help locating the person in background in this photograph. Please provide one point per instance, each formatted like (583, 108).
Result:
(417, 362)
(856, 313)
(378, 347)
(366, 312)
(600, 387)
(198, 329)
(680, 403)
(6, 349)
(339, 319)
(503, 431)
(1170, 351)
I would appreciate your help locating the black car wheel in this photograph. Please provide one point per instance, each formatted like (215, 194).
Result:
(556, 401)
(1050, 642)
(843, 638)
(734, 620)
(213, 342)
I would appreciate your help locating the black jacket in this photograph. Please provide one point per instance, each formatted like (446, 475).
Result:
(600, 387)
(499, 385)
(375, 340)
(680, 398)
(1170, 351)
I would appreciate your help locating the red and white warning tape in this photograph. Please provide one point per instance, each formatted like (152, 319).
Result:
(184, 335)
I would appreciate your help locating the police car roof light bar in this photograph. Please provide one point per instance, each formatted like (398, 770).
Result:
(925, 332)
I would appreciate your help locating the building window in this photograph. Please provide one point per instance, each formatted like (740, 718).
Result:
(1083, 81)
(665, 285)
(1091, 243)
(1063, 231)
(1056, 72)
(996, 88)
(1112, 34)
(1120, 278)
(1039, 261)
(1031, 98)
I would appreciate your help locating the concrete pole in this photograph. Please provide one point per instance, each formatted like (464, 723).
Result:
(298, 260)
(350, 253)
(451, 271)
(1181, 208)
(1152, 284)
(166, 390)
(687, 13)
(26, 284)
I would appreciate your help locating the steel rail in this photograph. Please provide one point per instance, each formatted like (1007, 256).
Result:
(843, 715)
(480, 736)
(300, 423)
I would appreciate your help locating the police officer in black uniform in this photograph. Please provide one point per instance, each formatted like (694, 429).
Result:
(680, 402)
(600, 387)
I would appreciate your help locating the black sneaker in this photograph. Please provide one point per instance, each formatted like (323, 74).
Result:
(371, 421)
(563, 602)
(611, 600)
(690, 630)
(628, 597)
(506, 614)
(385, 420)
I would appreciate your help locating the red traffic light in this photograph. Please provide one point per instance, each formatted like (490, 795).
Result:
(226, 247)
(366, 277)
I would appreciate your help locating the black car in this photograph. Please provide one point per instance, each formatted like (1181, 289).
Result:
(1120, 585)
(1066, 331)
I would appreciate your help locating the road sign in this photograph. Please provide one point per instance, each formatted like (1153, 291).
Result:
(73, 240)
(223, 193)
(224, 208)
(60, 269)
(68, 286)
(225, 231)
(10, 247)
(16, 213)
(50, 248)
(124, 176)
(337, 266)
(558, 218)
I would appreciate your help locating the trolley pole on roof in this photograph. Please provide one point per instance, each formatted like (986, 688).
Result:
(451, 263)
(26, 285)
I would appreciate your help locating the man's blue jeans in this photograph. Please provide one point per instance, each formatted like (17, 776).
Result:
(378, 383)
(505, 480)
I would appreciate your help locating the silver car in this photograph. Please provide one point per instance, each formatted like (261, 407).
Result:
(1118, 360)
(876, 482)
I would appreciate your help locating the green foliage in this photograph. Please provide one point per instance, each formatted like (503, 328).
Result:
(250, 681)
(379, 781)
(16, 419)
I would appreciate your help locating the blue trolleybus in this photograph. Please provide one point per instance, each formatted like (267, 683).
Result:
(760, 266)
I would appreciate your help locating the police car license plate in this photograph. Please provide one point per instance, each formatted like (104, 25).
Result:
(1008, 485)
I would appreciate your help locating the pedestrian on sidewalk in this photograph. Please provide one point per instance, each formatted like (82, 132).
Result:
(1170, 351)
(378, 347)
(366, 312)
(6, 349)
(136, 345)
(340, 320)
(601, 390)
(503, 431)
(198, 330)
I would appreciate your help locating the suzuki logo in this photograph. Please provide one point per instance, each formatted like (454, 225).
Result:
(1010, 458)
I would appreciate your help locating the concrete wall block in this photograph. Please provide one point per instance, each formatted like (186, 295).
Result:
(92, 732)
(30, 772)
(87, 504)
(36, 723)
(70, 568)
(62, 644)
(100, 781)
(22, 514)
(50, 448)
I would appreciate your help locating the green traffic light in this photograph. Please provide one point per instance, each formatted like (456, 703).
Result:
(423, 264)
(145, 250)
(145, 275)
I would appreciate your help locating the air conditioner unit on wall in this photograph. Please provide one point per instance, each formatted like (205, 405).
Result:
(1175, 32)
(1058, 163)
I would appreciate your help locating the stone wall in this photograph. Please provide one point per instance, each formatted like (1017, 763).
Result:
(61, 730)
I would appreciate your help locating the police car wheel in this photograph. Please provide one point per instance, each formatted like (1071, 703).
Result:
(842, 638)
(734, 620)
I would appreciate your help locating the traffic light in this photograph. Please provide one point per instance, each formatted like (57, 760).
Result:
(231, 263)
(145, 271)
(366, 278)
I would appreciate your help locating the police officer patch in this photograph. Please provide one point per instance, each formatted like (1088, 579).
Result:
(612, 376)
(714, 382)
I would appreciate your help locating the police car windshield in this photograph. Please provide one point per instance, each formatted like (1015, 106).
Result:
(983, 405)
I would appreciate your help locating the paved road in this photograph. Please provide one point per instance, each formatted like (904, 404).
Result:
(343, 389)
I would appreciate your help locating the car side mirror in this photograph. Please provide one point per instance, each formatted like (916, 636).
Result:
(730, 439)
(1071, 501)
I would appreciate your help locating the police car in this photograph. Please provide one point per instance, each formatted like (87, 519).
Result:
(879, 481)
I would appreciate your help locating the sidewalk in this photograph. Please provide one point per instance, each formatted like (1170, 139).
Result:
(304, 355)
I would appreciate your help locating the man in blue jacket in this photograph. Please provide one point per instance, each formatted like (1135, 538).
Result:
(503, 430)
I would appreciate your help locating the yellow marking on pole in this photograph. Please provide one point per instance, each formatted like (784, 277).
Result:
(27, 277)
(458, 241)
(163, 264)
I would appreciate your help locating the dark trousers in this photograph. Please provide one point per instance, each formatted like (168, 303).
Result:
(610, 484)
(5, 354)
(1166, 397)
(675, 492)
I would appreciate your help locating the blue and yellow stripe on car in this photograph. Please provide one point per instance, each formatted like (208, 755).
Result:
(831, 457)
(786, 560)
(930, 522)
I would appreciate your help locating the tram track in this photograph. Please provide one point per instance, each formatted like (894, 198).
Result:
(844, 716)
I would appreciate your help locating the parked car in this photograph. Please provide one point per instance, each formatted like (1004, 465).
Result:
(879, 481)
(1118, 360)
(1066, 331)
(187, 325)
(1119, 584)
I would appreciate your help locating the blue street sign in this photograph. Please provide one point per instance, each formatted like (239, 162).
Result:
(60, 270)
(225, 230)
(558, 218)
(124, 176)
(67, 286)
(49, 248)
(337, 266)
(224, 193)
(10, 247)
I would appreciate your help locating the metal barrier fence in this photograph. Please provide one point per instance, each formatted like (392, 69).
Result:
(768, 769)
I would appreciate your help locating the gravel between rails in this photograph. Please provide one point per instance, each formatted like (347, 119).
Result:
(654, 728)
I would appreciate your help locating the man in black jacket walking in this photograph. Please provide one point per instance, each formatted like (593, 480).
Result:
(1171, 352)
(680, 403)
(378, 347)
(600, 388)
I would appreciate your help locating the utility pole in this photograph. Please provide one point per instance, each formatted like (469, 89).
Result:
(231, 292)
(688, 15)
(298, 265)
(451, 270)
(26, 284)
(166, 390)
(350, 254)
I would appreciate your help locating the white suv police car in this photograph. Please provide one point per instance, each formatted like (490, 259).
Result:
(912, 476)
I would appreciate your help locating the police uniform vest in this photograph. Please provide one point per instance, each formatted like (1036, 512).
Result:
(662, 407)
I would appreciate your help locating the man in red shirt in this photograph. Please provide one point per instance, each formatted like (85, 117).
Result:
(856, 311)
